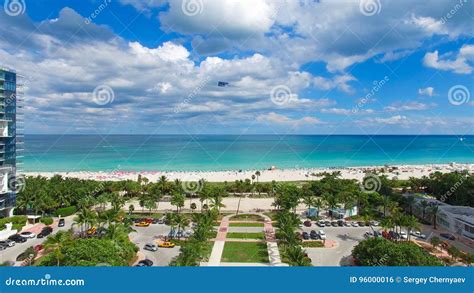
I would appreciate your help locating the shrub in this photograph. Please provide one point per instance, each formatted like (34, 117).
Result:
(64, 212)
(46, 220)
(26, 254)
(382, 252)
(17, 221)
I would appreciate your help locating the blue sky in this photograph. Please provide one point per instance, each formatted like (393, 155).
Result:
(309, 67)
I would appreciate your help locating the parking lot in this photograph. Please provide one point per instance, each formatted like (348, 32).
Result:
(144, 235)
(346, 238)
(11, 253)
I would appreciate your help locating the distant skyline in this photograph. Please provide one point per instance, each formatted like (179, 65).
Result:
(292, 67)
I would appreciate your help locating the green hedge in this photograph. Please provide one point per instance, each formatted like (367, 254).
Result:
(64, 212)
(46, 220)
(18, 222)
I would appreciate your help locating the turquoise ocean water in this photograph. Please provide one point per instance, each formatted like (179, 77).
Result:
(233, 152)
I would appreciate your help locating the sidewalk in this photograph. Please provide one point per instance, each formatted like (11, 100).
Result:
(218, 248)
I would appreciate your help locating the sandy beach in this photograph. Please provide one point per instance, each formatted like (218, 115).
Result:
(392, 171)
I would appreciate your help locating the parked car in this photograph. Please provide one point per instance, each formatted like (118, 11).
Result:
(3, 247)
(28, 234)
(347, 224)
(91, 231)
(327, 223)
(355, 224)
(393, 235)
(448, 236)
(167, 244)
(321, 224)
(45, 232)
(145, 263)
(322, 235)
(361, 224)
(61, 223)
(307, 223)
(155, 221)
(150, 247)
(340, 223)
(305, 236)
(161, 221)
(403, 235)
(17, 238)
(7, 243)
(142, 224)
(38, 247)
(148, 220)
(374, 223)
(368, 235)
(313, 235)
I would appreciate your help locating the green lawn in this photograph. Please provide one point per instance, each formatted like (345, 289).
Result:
(246, 217)
(259, 235)
(242, 224)
(255, 252)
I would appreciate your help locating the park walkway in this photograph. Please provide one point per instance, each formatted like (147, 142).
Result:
(218, 248)
(272, 244)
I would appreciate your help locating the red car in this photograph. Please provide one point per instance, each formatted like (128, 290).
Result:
(38, 247)
(307, 223)
(149, 220)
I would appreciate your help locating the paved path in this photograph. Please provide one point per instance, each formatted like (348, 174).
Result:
(218, 248)
(272, 245)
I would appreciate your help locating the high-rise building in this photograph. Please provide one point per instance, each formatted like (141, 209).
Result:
(10, 140)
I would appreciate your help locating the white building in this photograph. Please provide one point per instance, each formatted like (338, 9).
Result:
(457, 219)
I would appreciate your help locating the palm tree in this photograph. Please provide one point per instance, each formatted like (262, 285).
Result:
(257, 174)
(181, 221)
(296, 256)
(178, 200)
(318, 204)
(454, 252)
(434, 214)
(386, 202)
(424, 205)
(387, 224)
(85, 218)
(216, 203)
(435, 241)
(56, 242)
(163, 183)
(411, 223)
(410, 201)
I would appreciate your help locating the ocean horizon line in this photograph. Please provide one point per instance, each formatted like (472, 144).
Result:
(231, 134)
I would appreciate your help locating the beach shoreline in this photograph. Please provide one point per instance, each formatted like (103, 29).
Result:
(402, 172)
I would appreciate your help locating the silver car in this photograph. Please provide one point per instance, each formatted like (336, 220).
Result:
(150, 247)
(7, 243)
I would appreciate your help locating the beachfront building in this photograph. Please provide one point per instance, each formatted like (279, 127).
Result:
(342, 213)
(455, 219)
(10, 139)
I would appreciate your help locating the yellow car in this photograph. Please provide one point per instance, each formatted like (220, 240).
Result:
(166, 244)
(143, 224)
(91, 231)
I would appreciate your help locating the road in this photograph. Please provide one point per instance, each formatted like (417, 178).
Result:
(144, 235)
(11, 253)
